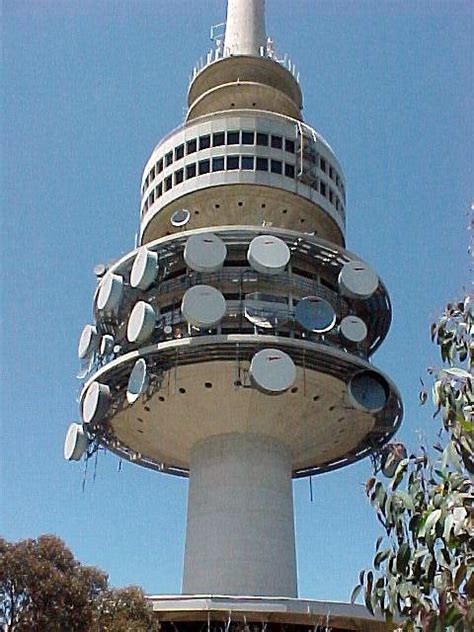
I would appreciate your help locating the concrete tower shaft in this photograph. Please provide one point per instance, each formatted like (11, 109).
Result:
(245, 27)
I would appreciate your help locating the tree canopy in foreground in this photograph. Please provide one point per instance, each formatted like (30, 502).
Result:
(424, 563)
(44, 589)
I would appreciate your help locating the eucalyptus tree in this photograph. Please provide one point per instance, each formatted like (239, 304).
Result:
(423, 569)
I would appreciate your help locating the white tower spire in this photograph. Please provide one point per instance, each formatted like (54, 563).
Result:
(245, 27)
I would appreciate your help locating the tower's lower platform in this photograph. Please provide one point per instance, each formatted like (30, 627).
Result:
(215, 613)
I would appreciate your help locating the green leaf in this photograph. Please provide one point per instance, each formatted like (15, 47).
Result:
(403, 558)
(355, 593)
(381, 557)
(406, 500)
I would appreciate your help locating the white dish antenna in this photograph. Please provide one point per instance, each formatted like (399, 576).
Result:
(96, 402)
(265, 310)
(353, 329)
(76, 443)
(180, 217)
(272, 371)
(315, 314)
(106, 346)
(268, 254)
(369, 391)
(99, 270)
(358, 280)
(110, 293)
(138, 381)
(203, 306)
(144, 269)
(205, 252)
(141, 323)
(86, 366)
(88, 341)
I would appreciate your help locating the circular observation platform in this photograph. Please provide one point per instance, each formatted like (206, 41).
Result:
(261, 614)
(201, 387)
(165, 369)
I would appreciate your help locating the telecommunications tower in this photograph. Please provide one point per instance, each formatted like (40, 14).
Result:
(233, 345)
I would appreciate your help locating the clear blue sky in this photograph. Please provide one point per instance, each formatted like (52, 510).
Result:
(90, 87)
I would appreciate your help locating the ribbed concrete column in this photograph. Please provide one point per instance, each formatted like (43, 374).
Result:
(240, 536)
(245, 27)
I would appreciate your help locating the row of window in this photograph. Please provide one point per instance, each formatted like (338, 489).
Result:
(219, 139)
(233, 163)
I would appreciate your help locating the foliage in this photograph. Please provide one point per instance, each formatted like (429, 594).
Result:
(424, 564)
(44, 589)
(123, 610)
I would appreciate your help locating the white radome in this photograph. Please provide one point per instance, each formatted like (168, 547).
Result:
(76, 442)
(95, 403)
(268, 254)
(272, 370)
(144, 269)
(205, 252)
(203, 306)
(141, 323)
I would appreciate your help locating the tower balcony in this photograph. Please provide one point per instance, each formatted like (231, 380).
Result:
(244, 168)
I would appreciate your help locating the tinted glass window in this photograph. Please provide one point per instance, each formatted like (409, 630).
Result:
(168, 183)
(232, 162)
(322, 188)
(218, 139)
(322, 164)
(277, 142)
(190, 171)
(290, 145)
(204, 142)
(247, 162)
(275, 166)
(262, 164)
(233, 138)
(168, 158)
(179, 152)
(159, 166)
(262, 139)
(218, 163)
(204, 167)
(289, 170)
(179, 176)
(191, 146)
(248, 138)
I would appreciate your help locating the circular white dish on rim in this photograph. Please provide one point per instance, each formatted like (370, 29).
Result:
(203, 306)
(144, 269)
(268, 254)
(180, 217)
(110, 293)
(315, 314)
(205, 252)
(141, 323)
(88, 341)
(353, 328)
(358, 280)
(138, 381)
(75, 443)
(368, 391)
(272, 370)
(95, 403)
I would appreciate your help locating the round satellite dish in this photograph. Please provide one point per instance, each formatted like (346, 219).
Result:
(106, 344)
(205, 252)
(180, 217)
(117, 349)
(203, 306)
(99, 270)
(353, 329)
(88, 341)
(369, 391)
(142, 323)
(76, 443)
(268, 254)
(167, 330)
(265, 310)
(110, 293)
(87, 364)
(392, 454)
(96, 402)
(272, 371)
(138, 381)
(358, 280)
(315, 314)
(144, 269)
